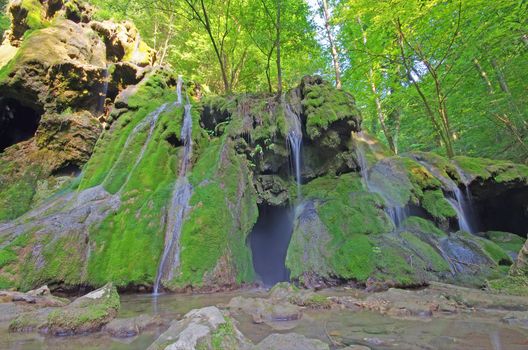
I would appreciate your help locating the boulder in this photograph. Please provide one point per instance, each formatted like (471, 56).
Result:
(290, 341)
(278, 314)
(206, 328)
(131, 327)
(86, 314)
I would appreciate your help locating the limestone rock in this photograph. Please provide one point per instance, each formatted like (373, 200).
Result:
(124, 43)
(86, 314)
(206, 328)
(130, 327)
(277, 314)
(290, 341)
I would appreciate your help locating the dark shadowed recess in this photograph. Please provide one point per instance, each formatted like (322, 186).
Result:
(17, 122)
(269, 242)
(507, 211)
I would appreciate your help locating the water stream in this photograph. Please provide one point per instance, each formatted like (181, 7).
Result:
(460, 201)
(151, 120)
(396, 213)
(179, 205)
(295, 143)
(104, 92)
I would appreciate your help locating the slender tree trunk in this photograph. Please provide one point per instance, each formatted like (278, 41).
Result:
(333, 49)
(268, 71)
(502, 119)
(379, 107)
(484, 76)
(500, 76)
(278, 30)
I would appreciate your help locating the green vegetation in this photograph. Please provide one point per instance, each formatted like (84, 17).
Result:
(223, 212)
(436, 205)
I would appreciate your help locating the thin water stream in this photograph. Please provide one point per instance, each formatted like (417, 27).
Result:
(179, 203)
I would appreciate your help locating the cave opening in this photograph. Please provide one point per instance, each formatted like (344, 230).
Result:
(17, 123)
(269, 243)
(507, 211)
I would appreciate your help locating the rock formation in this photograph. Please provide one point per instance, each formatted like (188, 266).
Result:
(83, 206)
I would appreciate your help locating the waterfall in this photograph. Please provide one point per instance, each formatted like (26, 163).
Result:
(295, 142)
(152, 120)
(179, 85)
(396, 213)
(103, 93)
(460, 202)
(179, 206)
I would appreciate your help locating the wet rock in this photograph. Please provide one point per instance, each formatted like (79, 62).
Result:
(517, 319)
(38, 298)
(130, 327)
(124, 43)
(86, 314)
(356, 347)
(290, 341)
(275, 313)
(206, 328)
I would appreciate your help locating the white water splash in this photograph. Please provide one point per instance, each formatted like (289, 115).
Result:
(179, 207)
(104, 92)
(460, 202)
(295, 142)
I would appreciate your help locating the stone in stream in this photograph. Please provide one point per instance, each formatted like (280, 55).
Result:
(278, 314)
(130, 327)
(206, 328)
(290, 341)
(86, 314)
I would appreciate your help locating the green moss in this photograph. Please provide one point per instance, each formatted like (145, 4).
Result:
(426, 252)
(35, 18)
(500, 171)
(345, 208)
(392, 265)
(355, 258)
(224, 337)
(508, 241)
(436, 205)
(324, 105)
(515, 285)
(16, 189)
(417, 224)
(223, 212)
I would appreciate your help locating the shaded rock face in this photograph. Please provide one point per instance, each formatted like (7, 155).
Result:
(56, 90)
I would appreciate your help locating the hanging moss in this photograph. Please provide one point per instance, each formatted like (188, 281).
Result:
(436, 205)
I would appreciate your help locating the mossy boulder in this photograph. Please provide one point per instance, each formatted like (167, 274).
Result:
(207, 328)
(86, 314)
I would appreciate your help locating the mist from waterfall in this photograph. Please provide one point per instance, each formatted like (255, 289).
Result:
(179, 205)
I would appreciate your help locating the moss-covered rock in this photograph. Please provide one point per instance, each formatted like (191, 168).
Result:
(88, 313)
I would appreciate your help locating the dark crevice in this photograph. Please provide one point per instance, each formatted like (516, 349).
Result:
(506, 211)
(269, 242)
(67, 170)
(173, 140)
(17, 123)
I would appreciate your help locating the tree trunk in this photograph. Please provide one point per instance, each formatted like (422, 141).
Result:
(333, 48)
(278, 43)
(484, 75)
(500, 76)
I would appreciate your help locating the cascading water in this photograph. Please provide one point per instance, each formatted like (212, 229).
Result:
(461, 203)
(152, 120)
(295, 142)
(396, 213)
(104, 92)
(179, 206)
(179, 85)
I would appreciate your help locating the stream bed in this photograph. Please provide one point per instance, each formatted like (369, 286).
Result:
(481, 329)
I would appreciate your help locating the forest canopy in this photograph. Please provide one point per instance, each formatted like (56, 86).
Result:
(432, 75)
